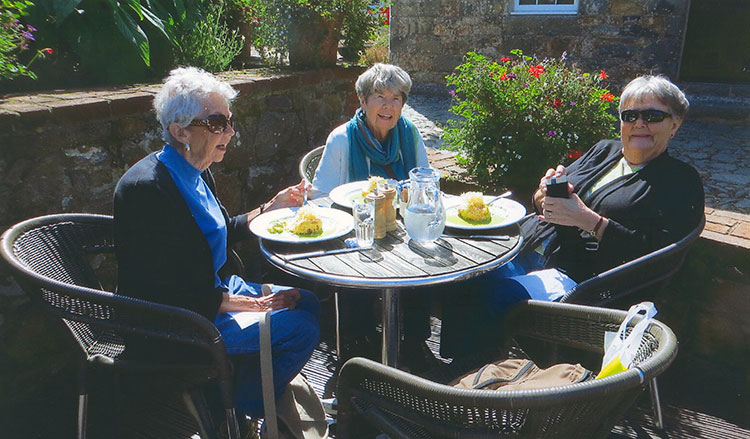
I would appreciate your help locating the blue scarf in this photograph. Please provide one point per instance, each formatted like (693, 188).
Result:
(399, 149)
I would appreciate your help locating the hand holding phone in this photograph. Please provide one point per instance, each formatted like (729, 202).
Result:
(557, 187)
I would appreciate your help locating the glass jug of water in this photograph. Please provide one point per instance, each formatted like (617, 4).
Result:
(424, 218)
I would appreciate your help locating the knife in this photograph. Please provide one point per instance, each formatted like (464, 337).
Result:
(323, 253)
(498, 237)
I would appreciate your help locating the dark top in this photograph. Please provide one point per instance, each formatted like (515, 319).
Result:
(647, 210)
(162, 254)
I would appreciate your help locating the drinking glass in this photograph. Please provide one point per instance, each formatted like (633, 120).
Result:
(364, 222)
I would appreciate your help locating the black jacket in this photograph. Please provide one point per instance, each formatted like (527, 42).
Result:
(656, 206)
(161, 252)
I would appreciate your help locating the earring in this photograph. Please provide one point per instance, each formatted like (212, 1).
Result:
(671, 136)
(187, 147)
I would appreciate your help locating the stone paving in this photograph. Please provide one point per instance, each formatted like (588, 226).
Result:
(718, 150)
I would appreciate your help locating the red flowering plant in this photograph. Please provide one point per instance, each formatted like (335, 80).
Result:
(519, 116)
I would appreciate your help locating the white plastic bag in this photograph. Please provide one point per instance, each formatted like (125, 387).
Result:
(619, 355)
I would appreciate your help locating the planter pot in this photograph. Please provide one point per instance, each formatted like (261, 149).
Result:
(313, 42)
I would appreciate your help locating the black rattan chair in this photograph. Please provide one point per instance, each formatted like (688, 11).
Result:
(644, 276)
(50, 257)
(309, 163)
(401, 405)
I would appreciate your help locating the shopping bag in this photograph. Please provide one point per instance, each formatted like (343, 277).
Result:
(619, 355)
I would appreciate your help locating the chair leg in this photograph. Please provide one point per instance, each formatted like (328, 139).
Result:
(656, 404)
(82, 402)
(196, 404)
(232, 425)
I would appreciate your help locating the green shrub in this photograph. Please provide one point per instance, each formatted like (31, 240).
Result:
(520, 116)
(209, 44)
(14, 39)
(106, 41)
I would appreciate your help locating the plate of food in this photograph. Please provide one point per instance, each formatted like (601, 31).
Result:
(471, 212)
(302, 224)
(347, 193)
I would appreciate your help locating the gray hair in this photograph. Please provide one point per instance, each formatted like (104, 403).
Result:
(659, 87)
(180, 98)
(381, 77)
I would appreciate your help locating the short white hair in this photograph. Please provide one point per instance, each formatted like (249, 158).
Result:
(381, 77)
(180, 98)
(659, 87)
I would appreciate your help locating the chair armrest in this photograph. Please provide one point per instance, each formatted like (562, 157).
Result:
(635, 275)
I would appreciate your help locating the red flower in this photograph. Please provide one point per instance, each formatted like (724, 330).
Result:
(385, 13)
(47, 50)
(556, 103)
(602, 74)
(504, 59)
(574, 154)
(503, 77)
(607, 97)
(536, 71)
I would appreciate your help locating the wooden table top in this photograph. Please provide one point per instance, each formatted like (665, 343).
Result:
(397, 262)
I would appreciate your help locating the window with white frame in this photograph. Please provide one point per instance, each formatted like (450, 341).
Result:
(545, 6)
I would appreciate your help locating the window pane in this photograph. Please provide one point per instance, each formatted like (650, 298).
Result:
(546, 2)
(565, 2)
(527, 2)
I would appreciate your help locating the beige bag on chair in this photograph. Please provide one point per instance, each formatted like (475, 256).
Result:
(298, 414)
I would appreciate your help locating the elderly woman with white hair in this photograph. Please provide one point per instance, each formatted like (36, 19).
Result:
(626, 198)
(172, 236)
(377, 141)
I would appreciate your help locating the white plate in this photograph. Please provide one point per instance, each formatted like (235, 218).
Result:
(345, 194)
(335, 223)
(503, 212)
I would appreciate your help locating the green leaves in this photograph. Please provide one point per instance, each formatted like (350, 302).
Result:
(521, 115)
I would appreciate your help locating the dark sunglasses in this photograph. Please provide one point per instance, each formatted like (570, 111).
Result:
(216, 123)
(647, 115)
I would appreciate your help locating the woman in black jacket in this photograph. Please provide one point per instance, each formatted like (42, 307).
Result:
(625, 198)
(172, 235)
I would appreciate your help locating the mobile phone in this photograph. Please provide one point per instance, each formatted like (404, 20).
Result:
(557, 187)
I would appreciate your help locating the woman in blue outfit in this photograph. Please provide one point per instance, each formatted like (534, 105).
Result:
(627, 197)
(377, 141)
(172, 235)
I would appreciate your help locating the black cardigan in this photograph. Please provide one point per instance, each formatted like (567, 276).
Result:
(647, 210)
(161, 252)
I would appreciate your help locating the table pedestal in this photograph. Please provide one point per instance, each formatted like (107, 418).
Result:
(391, 333)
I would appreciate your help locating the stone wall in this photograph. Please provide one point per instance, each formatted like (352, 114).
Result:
(624, 37)
(64, 152)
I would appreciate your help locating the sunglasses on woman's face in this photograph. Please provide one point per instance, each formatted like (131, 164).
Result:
(216, 123)
(648, 116)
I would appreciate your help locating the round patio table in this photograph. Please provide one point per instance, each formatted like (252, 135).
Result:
(395, 263)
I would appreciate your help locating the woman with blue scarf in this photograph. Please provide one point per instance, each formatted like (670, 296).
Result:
(377, 141)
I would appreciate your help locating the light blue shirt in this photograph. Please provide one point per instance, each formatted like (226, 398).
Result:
(201, 202)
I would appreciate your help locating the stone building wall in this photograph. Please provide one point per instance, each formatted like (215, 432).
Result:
(625, 37)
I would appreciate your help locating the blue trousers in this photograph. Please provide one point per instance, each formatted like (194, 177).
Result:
(294, 336)
(473, 309)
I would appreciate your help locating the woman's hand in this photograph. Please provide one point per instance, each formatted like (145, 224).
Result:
(272, 302)
(541, 193)
(572, 212)
(290, 197)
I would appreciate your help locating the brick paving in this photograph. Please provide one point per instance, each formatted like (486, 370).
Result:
(718, 150)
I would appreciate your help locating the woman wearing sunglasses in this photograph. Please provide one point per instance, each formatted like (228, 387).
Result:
(172, 236)
(626, 198)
